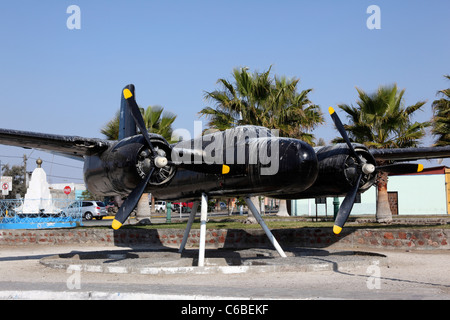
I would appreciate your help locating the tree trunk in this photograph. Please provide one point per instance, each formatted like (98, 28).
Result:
(282, 209)
(152, 211)
(383, 213)
(251, 219)
(118, 200)
(143, 210)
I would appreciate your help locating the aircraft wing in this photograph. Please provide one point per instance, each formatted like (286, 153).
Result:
(410, 154)
(69, 146)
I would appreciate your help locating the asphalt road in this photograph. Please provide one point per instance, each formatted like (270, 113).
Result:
(406, 275)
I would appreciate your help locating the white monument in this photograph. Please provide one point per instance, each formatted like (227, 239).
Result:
(38, 198)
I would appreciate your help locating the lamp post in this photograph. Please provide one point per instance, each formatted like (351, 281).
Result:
(335, 206)
(169, 212)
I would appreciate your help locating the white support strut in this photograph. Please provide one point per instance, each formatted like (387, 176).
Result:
(260, 220)
(203, 219)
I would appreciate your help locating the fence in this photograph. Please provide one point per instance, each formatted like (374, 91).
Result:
(40, 213)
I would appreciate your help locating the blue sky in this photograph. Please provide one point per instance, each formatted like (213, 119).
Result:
(63, 81)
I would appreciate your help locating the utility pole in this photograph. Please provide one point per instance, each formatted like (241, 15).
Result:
(25, 170)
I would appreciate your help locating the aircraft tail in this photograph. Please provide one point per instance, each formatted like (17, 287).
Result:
(127, 125)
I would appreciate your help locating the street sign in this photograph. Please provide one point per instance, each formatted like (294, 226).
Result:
(7, 180)
(5, 189)
(6, 183)
(67, 190)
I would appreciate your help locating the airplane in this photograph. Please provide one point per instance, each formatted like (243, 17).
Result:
(242, 161)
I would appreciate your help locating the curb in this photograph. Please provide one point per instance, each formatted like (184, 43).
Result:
(99, 295)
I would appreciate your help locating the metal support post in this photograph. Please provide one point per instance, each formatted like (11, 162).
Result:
(189, 226)
(169, 212)
(335, 207)
(260, 220)
(203, 218)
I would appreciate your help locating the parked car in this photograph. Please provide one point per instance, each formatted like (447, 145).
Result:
(223, 206)
(160, 206)
(184, 208)
(93, 209)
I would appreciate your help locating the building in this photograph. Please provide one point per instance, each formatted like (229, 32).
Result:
(76, 189)
(424, 193)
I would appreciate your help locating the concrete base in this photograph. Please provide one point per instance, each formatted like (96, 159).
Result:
(226, 261)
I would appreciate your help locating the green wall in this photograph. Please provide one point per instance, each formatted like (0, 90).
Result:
(417, 195)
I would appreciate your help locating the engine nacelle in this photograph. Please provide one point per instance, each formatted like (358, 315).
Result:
(338, 171)
(119, 169)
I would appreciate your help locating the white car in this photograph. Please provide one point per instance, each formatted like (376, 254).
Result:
(160, 206)
(93, 209)
(88, 209)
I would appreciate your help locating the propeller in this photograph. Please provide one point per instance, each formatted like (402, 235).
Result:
(153, 160)
(130, 203)
(363, 168)
(137, 116)
(157, 158)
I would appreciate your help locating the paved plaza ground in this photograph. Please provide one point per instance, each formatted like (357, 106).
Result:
(385, 274)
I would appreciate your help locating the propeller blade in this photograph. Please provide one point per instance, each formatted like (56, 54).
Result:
(346, 208)
(401, 168)
(127, 125)
(131, 202)
(341, 129)
(137, 116)
(222, 169)
(203, 167)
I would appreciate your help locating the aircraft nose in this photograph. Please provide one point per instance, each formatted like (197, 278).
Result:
(308, 164)
(298, 164)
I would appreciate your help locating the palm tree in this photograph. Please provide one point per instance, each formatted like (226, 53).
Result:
(262, 100)
(239, 101)
(441, 117)
(380, 120)
(157, 121)
(291, 112)
(111, 129)
(259, 99)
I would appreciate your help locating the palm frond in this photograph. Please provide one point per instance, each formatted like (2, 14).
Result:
(260, 99)
(380, 120)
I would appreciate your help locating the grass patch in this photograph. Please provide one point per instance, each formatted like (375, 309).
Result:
(284, 223)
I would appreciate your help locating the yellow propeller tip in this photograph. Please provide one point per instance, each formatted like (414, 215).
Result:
(420, 168)
(331, 110)
(127, 93)
(225, 169)
(116, 224)
(337, 229)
